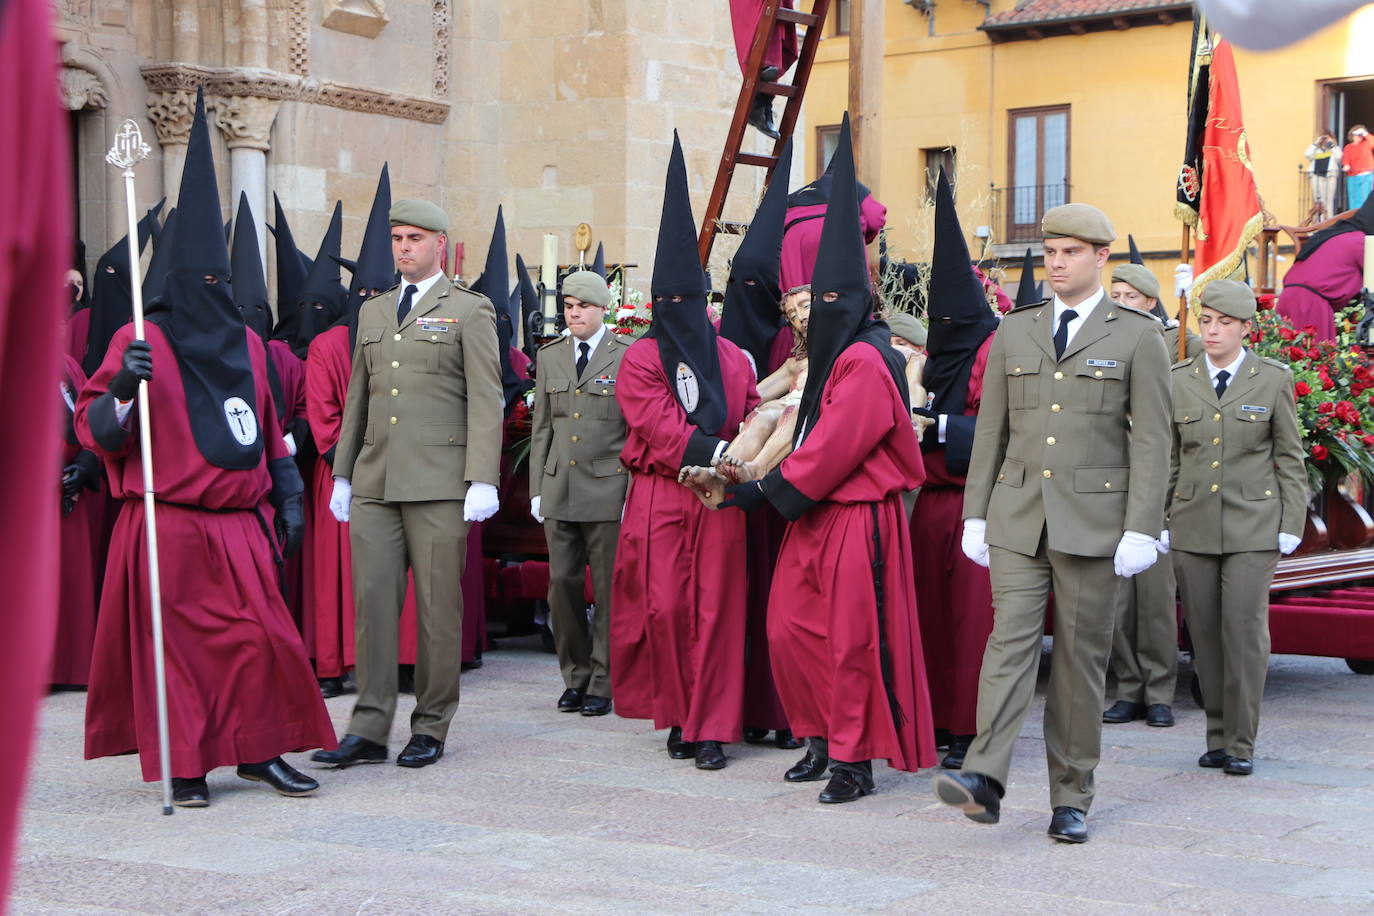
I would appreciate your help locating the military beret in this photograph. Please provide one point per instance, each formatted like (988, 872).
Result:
(1078, 221)
(588, 286)
(419, 213)
(1138, 276)
(1230, 297)
(908, 327)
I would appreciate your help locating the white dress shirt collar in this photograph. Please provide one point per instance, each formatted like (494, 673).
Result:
(1083, 310)
(1234, 368)
(592, 343)
(421, 287)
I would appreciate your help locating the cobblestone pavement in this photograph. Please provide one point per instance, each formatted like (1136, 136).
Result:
(533, 811)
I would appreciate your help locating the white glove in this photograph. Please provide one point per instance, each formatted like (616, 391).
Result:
(974, 543)
(535, 502)
(340, 499)
(1183, 279)
(481, 502)
(1288, 543)
(1136, 553)
(1162, 545)
(290, 440)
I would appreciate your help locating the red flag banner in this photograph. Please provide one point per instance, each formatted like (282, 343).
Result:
(1229, 211)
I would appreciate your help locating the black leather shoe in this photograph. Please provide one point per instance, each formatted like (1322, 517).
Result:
(848, 782)
(1124, 711)
(769, 74)
(784, 739)
(1159, 715)
(761, 116)
(352, 749)
(755, 735)
(677, 748)
(596, 706)
(471, 665)
(958, 749)
(1238, 766)
(811, 767)
(571, 700)
(1069, 825)
(1213, 760)
(331, 687)
(942, 739)
(190, 793)
(280, 775)
(710, 755)
(979, 797)
(420, 751)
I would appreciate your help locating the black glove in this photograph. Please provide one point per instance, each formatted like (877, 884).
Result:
(138, 366)
(923, 412)
(84, 471)
(290, 524)
(747, 496)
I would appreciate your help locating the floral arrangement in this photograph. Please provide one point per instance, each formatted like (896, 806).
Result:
(630, 313)
(1334, 384)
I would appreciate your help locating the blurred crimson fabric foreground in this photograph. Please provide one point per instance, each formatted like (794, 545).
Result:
(35, 244)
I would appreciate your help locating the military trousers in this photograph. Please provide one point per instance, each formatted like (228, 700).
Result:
(584, 649)
(1145, 642)
(430, 539)
(1085, 599)
(1226, 605)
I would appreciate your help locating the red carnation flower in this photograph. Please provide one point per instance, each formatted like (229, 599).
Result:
(1288, 333)
(1325, 407)
(1295, 353)
(1319, 452)
(1303, 389)
(1264, 301)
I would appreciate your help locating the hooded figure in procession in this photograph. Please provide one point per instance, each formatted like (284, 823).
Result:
(842, 627)
(239, 683)
(677, 636)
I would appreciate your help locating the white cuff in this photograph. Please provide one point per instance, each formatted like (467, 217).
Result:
(720, 450)
(944, 419)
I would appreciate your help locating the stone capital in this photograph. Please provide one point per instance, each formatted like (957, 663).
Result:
(82, 90)
(171, 111)
(245, 121)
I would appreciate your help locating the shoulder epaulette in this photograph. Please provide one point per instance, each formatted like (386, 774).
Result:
(390, 289)
(1276, 363)
(1029, 305)
(1187, 361)
(552, 343)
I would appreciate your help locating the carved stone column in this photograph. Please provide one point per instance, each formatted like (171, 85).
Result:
(171, 111)
(245, 121)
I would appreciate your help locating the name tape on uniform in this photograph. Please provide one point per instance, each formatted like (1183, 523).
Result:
(1105, 363)
(1254, 408)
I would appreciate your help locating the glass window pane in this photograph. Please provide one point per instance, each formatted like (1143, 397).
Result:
(1024, 170)
(1056, 158)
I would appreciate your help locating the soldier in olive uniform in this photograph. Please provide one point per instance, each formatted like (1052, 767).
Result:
(1066, 492)
(1145, 642)
(577, 485)
(417, 460)
(1239, 499)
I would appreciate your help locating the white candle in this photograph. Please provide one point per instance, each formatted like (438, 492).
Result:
(1369, 262)
(548, 274)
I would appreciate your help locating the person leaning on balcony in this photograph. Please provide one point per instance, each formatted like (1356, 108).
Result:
(1145, 641)
(577, 486)
(1238, 500)
(1065, 490)
(1357, 161)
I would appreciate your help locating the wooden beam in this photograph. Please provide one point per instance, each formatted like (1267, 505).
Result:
(1121, 23)
(1035, 34)
(866, 31)
(1166, 18)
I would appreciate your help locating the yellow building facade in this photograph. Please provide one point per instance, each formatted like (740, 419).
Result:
(1043, 101)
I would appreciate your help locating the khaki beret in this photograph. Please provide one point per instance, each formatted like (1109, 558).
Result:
(419, 213)
(1078, 221)
(1138, 276)
(1230, 297)
(588, 286)
(908, 327)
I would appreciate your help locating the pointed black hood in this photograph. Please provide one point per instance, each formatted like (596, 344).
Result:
(494, 283)
(818, 191)
(752, 316)
(198, 316)
(155, 277)
(1136, 257)
(686, 339)
(247, 277)
(111, 292)
(842, 269)
(599, 262)
(529, 305)
(1027, 290)
(323, 298)
(375, 269)
(1362, 222)
(292, 267)
(957, 310)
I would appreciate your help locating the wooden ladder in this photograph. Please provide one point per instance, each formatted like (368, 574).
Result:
(773, 12)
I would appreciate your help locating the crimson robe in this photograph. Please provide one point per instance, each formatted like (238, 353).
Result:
(239, 684)
(1315, 288)
(291, 373)
(823, 616)
(678, 592)
(78, 328)
(782, 43)
(71, 659)
(953, 594)
(802, 237)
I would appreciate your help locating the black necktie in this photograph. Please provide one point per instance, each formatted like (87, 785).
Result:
(1222, 377)
(584, 350)
(403, 309)
(1061, 336)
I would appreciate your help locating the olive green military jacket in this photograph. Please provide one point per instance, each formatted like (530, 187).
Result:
(1237, 477)
(578, 433)
(1077, 447)
(424, 410)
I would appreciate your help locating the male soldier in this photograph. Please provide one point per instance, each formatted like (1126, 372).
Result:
(1145, 641)
(1065, 490)
(575, 461)
(417, 460)
(1239, 499)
